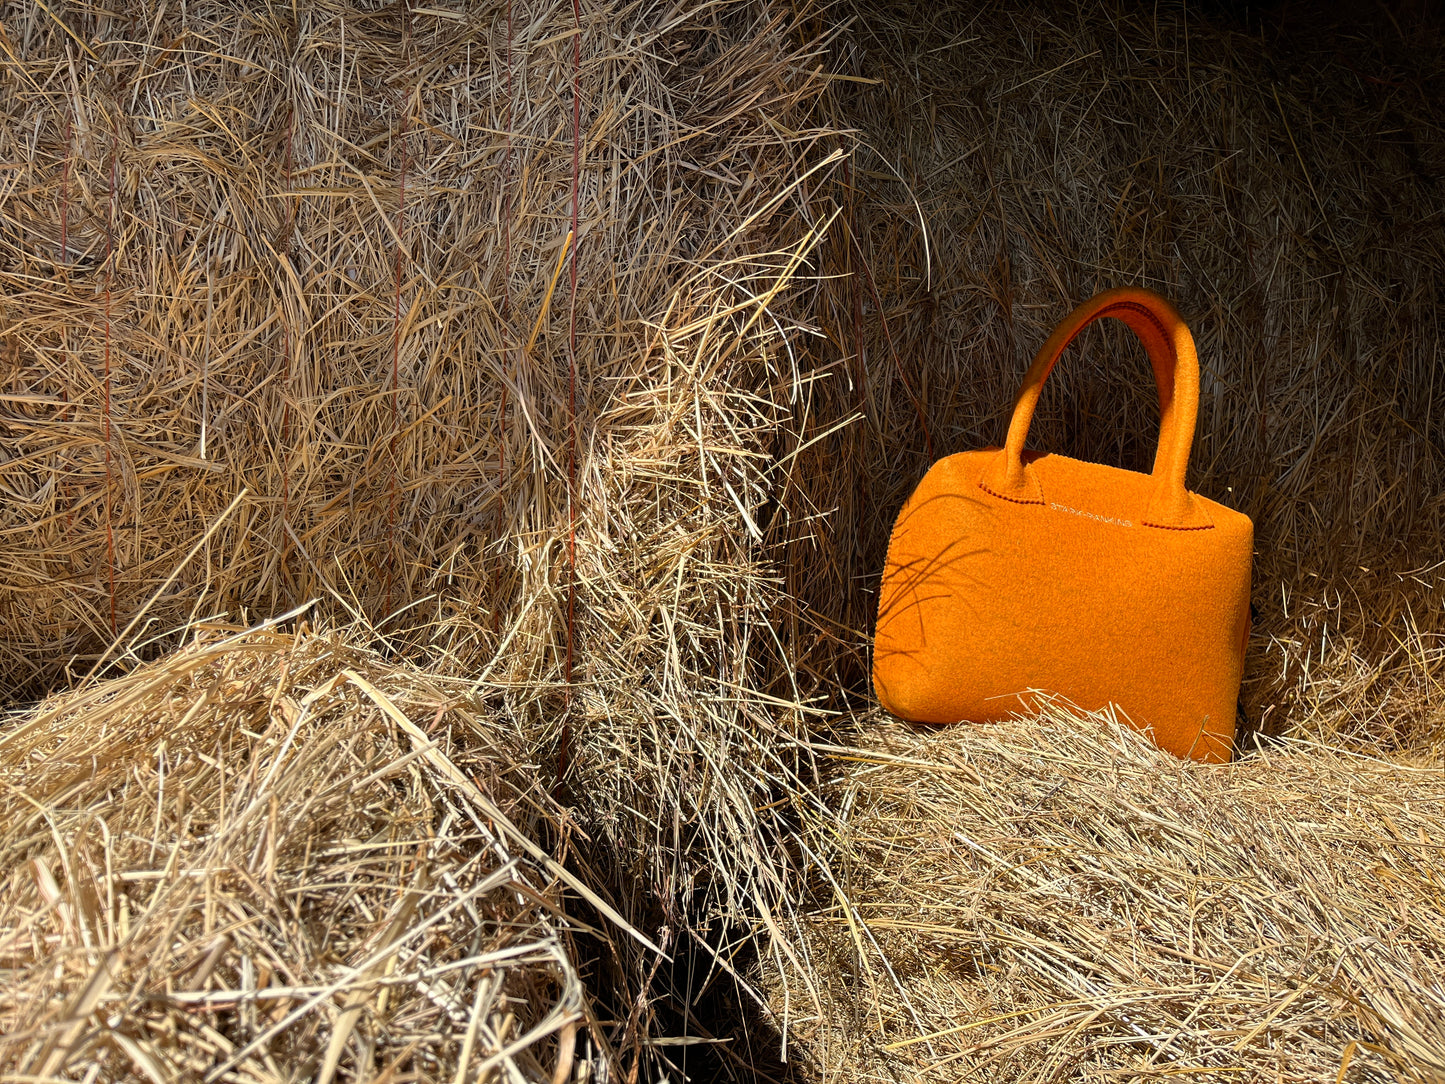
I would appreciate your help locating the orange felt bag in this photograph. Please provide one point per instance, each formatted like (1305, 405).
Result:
(1012, 573)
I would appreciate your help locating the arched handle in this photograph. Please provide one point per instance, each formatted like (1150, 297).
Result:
(1176, 371)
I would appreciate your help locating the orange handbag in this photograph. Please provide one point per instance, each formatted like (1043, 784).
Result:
(1013, 573)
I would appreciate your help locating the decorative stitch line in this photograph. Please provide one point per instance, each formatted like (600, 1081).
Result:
(1092, 515)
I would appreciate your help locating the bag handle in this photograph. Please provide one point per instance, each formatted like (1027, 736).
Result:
(1176, 372)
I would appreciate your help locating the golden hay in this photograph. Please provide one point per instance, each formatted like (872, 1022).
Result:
(591, 357)
(290, 314)
(319, 261)
(1055, 899)
(272, 857)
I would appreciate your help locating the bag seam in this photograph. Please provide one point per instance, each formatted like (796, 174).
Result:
(1004, 497)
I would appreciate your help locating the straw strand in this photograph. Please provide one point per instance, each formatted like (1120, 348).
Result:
(564, 744)
(109, 277)
(63, 255)
(287, 362)
(395, 375)
(508, 331)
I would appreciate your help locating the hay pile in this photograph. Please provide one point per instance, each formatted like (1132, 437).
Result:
(324, 257)
(1041, 904)
(273, 857)
(1052, 900)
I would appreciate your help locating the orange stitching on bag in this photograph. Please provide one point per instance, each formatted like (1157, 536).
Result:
(1174, 354)
(1171, 527)
(1004, 497)
(1148, 315)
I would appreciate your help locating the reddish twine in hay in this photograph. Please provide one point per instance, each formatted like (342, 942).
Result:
(506, 326)
(861, 501)
(286, 361)
(63, 261)
(860, 358)
(861, 368)
(395, 379)
(109, 275)
(562, 748)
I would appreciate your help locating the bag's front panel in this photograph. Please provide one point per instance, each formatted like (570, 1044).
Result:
(984, 599)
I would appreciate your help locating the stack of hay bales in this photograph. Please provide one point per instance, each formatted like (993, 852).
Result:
(315, 261)
(1056, 899)
(273, 857)
(583, 356)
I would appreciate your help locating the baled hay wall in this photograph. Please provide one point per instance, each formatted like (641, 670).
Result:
(314, 261)
(276, 857)
(1281, 181)
(330, 245)
(1057, 900)
(318, 256)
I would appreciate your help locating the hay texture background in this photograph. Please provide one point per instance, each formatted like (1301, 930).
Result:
(1056, 899)
(273, 857)
(321, 257)
(583, 356)
(315, 261)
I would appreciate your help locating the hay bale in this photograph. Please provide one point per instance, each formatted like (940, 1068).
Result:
(291, 312)
(247, 862)
(1055, 899)
(322, 256)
